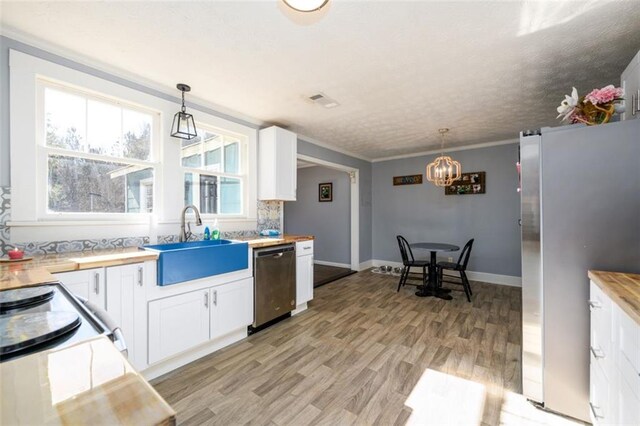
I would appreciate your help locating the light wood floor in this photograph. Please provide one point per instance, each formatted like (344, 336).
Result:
(364, 354)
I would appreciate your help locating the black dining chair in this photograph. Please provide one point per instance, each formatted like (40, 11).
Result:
(461, 267)
(408, 262)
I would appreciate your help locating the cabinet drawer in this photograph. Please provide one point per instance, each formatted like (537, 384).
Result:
(629, 339)
(304, 248)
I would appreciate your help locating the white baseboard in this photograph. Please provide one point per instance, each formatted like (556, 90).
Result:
(184, 358)
(473, 276)
(336, 264)
(365, 265)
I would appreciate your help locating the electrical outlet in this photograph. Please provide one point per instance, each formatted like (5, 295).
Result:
(449, 259)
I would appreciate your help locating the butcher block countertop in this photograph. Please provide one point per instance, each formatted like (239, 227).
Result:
(40, 269)
(623, 289)
(260, 242)
(87, 383)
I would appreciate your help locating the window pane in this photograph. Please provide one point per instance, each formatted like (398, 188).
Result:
(230, 196)
(232, 157)
(203, 188)
(65, 120)
(203, 152)
(212, 157)
(78, 185)
(136, 134)
(104, 127)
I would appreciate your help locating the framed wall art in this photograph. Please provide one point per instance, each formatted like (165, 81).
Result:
(407, 180)
(325, 192)
(468, 184)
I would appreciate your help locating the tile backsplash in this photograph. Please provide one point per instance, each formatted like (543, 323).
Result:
(269, 213)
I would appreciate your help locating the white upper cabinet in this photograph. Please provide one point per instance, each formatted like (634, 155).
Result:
(277, 171)
(630, 82)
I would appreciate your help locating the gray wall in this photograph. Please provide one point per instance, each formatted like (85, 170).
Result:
(365, 186)
(330, 222)
(424, 213)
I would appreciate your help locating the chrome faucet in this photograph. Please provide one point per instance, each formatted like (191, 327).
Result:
(185, 233)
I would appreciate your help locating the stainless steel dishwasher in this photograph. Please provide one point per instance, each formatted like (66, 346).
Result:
(274, 270)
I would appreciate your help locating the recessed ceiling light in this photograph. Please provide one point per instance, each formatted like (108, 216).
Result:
(305, 5)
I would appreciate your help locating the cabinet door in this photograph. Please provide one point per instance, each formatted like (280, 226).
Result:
(178, 323)
(630, 82)
(286, 168)
(304, 279)
(126, 305)
(88, 284)
(231, 307)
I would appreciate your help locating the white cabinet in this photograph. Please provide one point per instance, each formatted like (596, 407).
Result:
(231, 307)
(277, 168)
(304, 272)
(181, 322)
(615, 362)
(178, 323)
(126, 305)
(630, 82)
(88, 284)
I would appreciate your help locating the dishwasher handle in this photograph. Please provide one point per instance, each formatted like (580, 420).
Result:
(274, 251)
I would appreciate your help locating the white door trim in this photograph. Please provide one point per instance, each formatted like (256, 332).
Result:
(355, 204)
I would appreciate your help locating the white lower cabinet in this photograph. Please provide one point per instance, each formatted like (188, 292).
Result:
(304, 272)
(179, 323)
(231, 307)
(614, 395)
(88, 283)
(126, 305)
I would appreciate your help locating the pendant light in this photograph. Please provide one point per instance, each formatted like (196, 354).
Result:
(183, 126)
(443, 171)
(305, 5)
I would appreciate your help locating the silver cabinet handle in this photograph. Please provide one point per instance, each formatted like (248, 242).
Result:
(306, 248)
(597, 352)
(140, 276)
(596, 411)
(637, 109)
(215, 297)
(594, 304)
(206, 300)
(96, 283)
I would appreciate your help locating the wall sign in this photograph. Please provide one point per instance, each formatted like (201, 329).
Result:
(407, 180)
(325, 192)
(469, 183)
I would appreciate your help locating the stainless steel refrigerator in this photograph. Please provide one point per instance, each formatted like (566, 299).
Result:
(580, 210)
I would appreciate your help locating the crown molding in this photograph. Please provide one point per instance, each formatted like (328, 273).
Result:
(453, 149)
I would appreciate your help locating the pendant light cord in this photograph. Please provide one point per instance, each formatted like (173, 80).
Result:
(183, 109)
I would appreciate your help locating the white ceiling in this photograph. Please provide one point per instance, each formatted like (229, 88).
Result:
(400, 70)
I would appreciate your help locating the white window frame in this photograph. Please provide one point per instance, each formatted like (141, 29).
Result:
(45, 151)
(28, 224)
(225, 135)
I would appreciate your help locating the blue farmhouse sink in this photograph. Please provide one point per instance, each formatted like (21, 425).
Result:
(179, 262)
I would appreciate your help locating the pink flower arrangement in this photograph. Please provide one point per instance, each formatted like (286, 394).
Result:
(595, 108)
(604, 95)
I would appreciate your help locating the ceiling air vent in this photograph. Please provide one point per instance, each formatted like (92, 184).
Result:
(324, 100)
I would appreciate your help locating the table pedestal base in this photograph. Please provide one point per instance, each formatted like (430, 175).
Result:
(440, 293)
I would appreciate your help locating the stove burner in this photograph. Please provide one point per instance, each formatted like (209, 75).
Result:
(24, 297)
(19, 332)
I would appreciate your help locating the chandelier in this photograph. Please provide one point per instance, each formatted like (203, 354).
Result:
(443, 171)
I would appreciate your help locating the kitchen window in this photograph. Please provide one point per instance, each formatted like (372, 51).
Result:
(214, 165)
(99, 152)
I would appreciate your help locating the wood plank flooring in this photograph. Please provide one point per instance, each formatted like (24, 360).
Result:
(364, 354)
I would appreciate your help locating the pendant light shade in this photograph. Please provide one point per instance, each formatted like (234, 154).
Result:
(305, 5)
(183, 127)
(443, 171)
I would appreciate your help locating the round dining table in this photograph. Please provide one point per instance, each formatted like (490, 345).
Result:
(432, 288)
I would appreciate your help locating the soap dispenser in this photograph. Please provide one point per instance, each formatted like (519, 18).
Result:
(215, 234)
